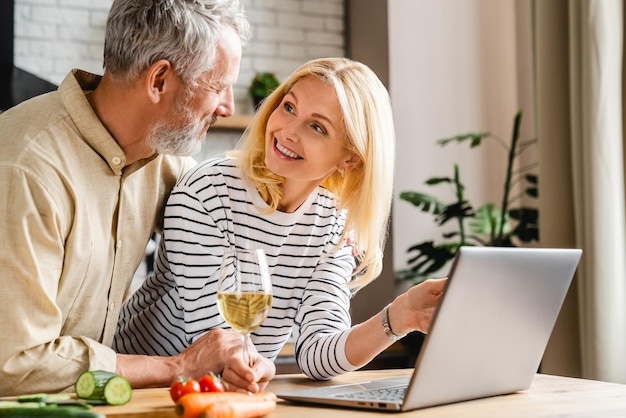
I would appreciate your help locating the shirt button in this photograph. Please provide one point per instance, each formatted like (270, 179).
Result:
(116, 160)
(111, 306)
(119, 244)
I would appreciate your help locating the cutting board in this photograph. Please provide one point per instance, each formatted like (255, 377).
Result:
(156, 403)
(153, 403)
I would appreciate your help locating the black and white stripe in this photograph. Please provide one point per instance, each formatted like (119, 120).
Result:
(212, 209)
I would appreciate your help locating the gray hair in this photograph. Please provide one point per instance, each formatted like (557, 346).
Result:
(184, 32)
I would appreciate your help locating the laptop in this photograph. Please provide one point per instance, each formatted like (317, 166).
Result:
(487, 337)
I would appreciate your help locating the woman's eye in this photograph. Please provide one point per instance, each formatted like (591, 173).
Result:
(288, 107)
(318, 128)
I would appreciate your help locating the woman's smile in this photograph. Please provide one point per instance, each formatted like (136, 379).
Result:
(305, 136)
(286, 151)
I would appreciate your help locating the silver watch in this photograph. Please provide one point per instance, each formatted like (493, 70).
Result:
(386, 327)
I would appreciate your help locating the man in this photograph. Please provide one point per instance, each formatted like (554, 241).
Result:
(85, 172)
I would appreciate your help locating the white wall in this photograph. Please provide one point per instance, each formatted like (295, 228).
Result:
(54, 36)
(453, 69)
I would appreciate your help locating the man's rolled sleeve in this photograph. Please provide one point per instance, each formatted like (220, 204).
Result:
(60, 363)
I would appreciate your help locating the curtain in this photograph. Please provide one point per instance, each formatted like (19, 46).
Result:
(578, 73)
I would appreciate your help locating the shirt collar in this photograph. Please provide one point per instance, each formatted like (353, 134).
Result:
(73, 90)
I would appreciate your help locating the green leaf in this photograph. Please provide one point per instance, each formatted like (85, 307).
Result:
(532, 178)
(524, 214)
(489, 224)
(433, 181)
(458, 210)
(527, 228)
(263, 84)
(427, 202)
(475, 138)
(487, 220)
(430, 258)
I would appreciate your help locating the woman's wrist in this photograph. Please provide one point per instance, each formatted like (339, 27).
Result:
(386, 324)
(392, 315)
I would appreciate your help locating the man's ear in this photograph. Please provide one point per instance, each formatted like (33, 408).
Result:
(159, 76)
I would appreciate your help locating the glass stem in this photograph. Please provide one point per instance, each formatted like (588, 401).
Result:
(244, 339)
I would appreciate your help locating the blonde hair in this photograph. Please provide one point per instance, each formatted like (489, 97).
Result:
(366, 191)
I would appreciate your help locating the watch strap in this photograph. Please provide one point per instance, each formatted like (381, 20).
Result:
(386, 326)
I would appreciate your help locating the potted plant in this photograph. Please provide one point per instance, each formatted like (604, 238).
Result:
(492, 225)
(261, 86)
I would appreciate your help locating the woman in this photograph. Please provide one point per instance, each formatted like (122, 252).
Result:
(314, 167)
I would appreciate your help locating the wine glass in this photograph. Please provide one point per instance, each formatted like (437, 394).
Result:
(244, 291)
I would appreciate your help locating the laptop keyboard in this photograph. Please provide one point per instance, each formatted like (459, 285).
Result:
(384, 394)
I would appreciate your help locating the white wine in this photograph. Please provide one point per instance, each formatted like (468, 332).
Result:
(244, 311)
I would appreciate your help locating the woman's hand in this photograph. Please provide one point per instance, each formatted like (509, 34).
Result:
(219, 351)
(411, 311)
(238, 376)
(414, 310)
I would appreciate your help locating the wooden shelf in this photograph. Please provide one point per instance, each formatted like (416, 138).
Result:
(239, 122)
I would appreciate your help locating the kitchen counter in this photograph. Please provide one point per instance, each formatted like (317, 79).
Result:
(548, 396)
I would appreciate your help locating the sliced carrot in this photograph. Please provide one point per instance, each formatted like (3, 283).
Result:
(235, 409)
(192, 405)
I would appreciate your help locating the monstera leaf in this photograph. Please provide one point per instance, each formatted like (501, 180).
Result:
(427, 203)
(457, 210)
(427, 259)
(487, 220)
(474, 138)
(488, 225)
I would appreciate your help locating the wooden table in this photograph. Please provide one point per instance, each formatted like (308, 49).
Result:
(549, 396)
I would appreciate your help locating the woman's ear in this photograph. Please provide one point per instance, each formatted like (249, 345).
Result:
(158, 78)
(352, 162)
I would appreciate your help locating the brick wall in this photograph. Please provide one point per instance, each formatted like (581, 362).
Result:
(54, 36)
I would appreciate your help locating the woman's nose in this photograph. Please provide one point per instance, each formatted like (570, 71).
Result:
(291, 131)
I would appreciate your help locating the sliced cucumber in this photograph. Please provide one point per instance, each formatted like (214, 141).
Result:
(55, 399)
(19, 404)
(26, 410)
(105, 386)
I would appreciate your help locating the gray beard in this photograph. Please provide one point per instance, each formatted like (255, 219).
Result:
(183, 139)
(172, 140)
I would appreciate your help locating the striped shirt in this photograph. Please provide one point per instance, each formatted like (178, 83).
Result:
(212, 209)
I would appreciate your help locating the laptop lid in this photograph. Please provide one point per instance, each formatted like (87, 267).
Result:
(489, 332)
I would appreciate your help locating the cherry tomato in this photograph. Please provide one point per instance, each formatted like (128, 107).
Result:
(211, 383)
(183, 386)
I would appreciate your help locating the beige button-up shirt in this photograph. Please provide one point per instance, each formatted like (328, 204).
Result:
(74, 224)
